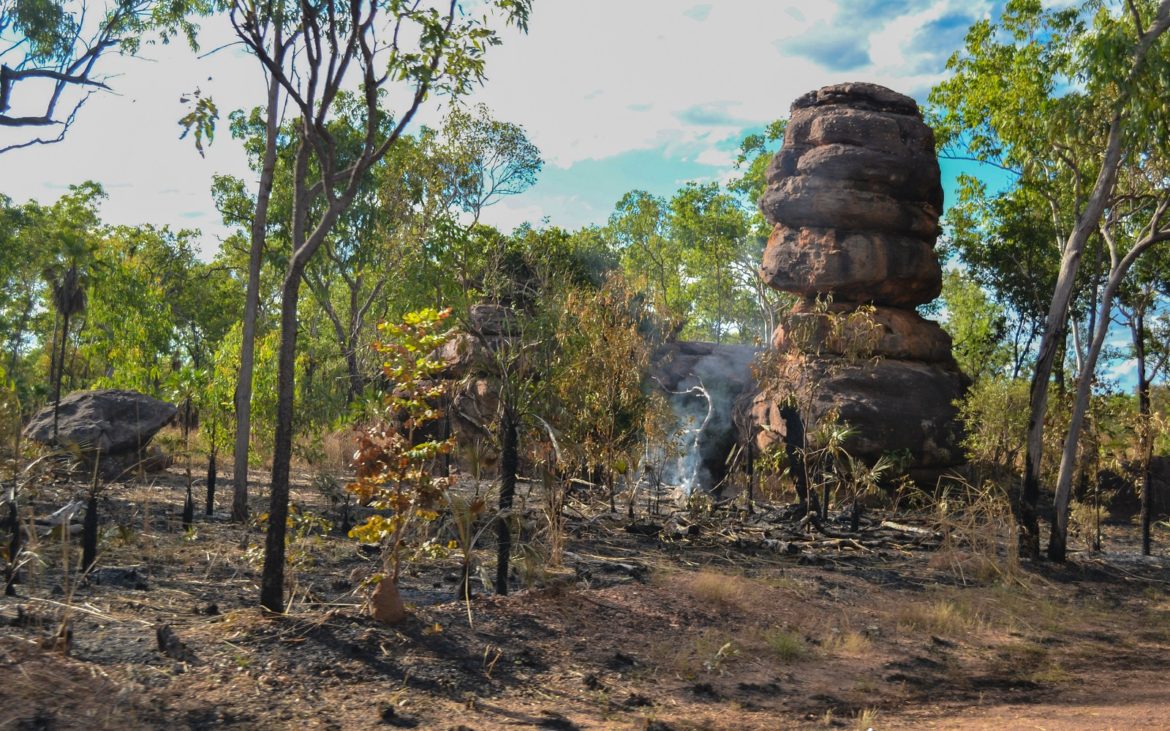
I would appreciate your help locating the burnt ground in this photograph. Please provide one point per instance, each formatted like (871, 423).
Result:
(682, 622)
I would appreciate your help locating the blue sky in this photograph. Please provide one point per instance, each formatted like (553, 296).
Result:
(618, 95)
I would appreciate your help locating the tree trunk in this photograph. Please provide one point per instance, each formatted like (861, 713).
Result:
(12, 574)
(1087, 221)
(89, 533)
(251, 307)
(1118, 270)
(1146, 438)
(188, 509)
(211, 475)
(272, 580)
(355, 377)
(60, 370)
(509, 463)
(793, 444)
(1050, 342)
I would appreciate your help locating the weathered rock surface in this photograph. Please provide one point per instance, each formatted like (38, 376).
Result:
(886, 332)
(808, 201)
(893, 406)
(468, 354)
(492, 319)
(854, 196)
(856, 266)
(112, 426)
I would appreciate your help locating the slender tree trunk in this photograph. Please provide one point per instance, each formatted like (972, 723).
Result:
(793, 447)
(1146, 438)
(211, 477)
(355, 376)
(509, 463)
(1051, 341)
(252, 306)
(60, 369)
(1087, 221)
(272, 580)
(12, 573)
(1058, 540)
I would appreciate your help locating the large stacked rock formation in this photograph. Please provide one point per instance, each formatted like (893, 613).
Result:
(854, 198)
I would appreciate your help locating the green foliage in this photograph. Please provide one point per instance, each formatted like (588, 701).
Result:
(57, 46)
(995, 415)
(200, 119)
(976, 324)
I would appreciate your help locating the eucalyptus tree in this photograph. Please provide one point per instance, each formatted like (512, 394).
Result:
(378, 46)
(640, 230)
(1009, 101)
(52, 51)
(73, 230)
(1008, 246)
(1138, 220)
(977, 325)
(153, 309)
(1143, 302)
(24, 256)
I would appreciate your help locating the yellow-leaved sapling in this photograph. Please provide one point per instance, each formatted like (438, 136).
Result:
(396, 455)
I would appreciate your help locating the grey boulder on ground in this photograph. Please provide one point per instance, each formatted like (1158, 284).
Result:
(110, 425)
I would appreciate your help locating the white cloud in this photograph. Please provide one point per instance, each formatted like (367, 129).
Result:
(576, 80)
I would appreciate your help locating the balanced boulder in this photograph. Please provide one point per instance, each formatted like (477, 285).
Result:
(854, 197)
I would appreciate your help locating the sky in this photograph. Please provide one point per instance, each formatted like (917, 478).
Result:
(617, 94)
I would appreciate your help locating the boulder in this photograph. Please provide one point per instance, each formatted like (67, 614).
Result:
(911, 177)
(491, 319)
(896, 134)
(857, 266)
(807, 201)
(884, 332)
(894, 406)
(854, 196)
(860, 95)
(111, 426)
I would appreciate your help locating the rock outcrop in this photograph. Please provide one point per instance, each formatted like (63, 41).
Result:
(854, 197)
(109, 426)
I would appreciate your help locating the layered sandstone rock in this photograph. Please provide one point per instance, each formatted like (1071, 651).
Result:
(854, 198)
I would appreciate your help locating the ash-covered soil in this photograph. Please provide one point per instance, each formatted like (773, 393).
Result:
(670, 621)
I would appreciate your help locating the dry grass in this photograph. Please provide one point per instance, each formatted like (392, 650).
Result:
(943, 617)
(723, 591)
(83, 696)
(979, 534)
(709, 651)
(786, 645)
(848, 643)
(865, 720)
(1030, 662)
(338, 447)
